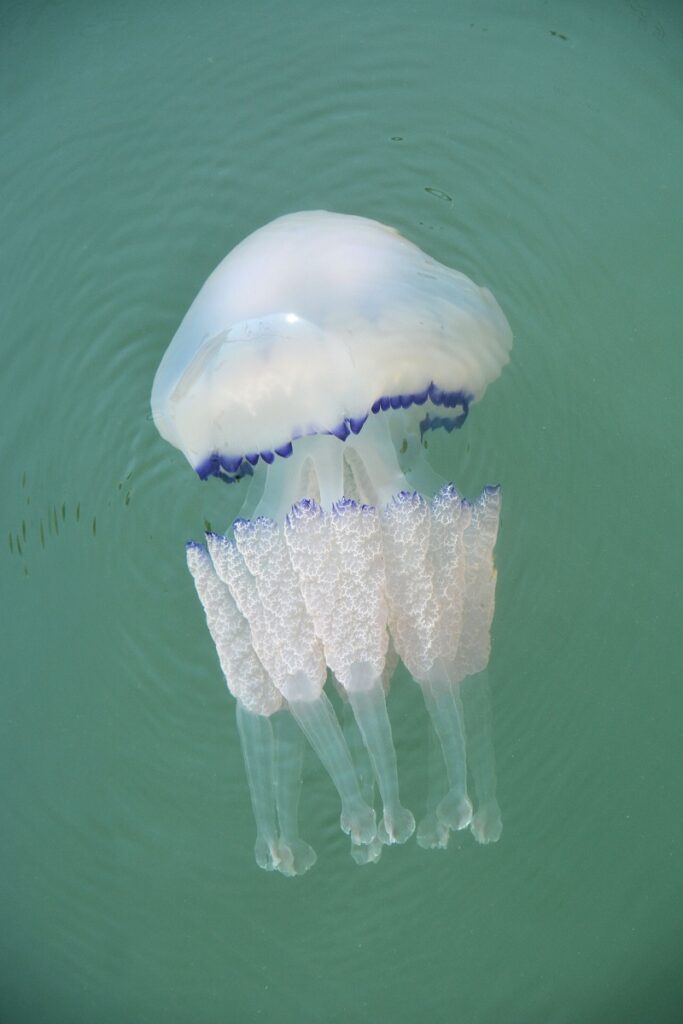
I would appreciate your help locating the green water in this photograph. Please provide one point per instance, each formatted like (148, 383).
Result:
(535, 146)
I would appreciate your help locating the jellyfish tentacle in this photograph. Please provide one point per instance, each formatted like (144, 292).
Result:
(231, 568)
(467, 668)
(431, 833)
(486, 825)
(283, 635)
(256, 696)
(450, 519)
(421, 629)
(368, 853)
(321, 727)
(256, 739)
(455, 809)
(297, 855)
(370, 711)
(357, 749)
(357, 650)
(339, 560)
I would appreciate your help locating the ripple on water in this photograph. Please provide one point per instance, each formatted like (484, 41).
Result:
(163, 143)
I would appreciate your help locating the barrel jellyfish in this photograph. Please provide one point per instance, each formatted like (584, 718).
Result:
(308, 371)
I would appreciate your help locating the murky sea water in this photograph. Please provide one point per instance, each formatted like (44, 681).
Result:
(534, 146)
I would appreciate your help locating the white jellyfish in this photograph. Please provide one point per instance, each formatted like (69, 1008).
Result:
(312, 363)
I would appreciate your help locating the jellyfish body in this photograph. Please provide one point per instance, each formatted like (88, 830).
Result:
(312, 363)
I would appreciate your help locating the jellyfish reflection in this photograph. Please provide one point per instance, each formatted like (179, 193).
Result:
(312, 363)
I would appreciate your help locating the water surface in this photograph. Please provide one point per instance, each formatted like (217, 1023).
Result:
(536, 147)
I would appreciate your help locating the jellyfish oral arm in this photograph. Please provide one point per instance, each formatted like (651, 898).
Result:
(455, 809)
(334, 590)
(256, 739)
(321, 727)
(441, 585)
(273, 772)
(257, 570)
(244, 672)
(339, 562)
(370, 711)
(296, 854)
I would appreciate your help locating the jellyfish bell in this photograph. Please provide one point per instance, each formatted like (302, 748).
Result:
(312, 362)
(312, 326)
